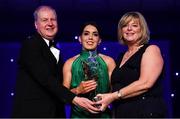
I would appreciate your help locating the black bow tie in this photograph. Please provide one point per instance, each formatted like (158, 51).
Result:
(52, 43)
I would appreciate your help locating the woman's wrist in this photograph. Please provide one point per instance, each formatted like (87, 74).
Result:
(77, 91)
(114, 95)
(117, 95)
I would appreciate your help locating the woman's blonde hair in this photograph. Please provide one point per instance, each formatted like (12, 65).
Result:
(126, 18)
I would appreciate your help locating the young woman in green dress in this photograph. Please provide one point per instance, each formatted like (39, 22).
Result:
(88, 73)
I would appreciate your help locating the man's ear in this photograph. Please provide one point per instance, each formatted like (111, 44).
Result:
(80, 41)
(35, 24)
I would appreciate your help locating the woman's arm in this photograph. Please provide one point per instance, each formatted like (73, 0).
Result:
(67, 73)
(110, 64)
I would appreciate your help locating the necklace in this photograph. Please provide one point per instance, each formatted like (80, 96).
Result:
(129, 53)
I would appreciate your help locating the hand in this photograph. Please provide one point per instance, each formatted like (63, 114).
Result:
(86, 104)
(86, 86)
(106, 99)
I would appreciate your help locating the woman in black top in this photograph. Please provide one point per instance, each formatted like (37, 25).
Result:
(136, 80)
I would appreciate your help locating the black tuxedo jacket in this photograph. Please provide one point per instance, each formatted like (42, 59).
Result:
(39, 89)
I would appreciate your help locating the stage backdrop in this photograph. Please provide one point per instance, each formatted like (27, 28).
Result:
(8, 67)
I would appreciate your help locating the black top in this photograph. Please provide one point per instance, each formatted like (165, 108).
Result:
(149, 104)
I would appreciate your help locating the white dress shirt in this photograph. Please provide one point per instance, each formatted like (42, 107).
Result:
(55, 51)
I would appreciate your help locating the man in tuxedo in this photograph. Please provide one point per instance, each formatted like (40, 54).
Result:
(39, 89)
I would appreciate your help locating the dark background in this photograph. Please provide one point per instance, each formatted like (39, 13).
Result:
(163, 17)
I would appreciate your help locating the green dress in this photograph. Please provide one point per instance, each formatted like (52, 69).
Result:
(89, 66)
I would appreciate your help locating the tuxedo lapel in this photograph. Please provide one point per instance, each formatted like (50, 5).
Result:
(60, 66)
(47, 54)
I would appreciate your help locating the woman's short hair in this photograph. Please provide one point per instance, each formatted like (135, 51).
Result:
(126, 18)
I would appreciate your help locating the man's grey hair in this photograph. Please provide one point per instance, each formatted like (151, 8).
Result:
(35, 14)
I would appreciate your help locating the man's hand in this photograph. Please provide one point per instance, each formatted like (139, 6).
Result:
(85, 104)
(86, 86)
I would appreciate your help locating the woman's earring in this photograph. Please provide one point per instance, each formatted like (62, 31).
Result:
(79, 40)
(99, 42)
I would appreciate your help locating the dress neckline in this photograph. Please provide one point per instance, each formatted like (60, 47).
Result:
(88, 54)
(120, 66)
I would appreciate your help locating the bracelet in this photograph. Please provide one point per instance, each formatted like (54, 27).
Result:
(119, 94)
